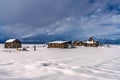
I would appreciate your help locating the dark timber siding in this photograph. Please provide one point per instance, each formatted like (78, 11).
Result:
(15, 44)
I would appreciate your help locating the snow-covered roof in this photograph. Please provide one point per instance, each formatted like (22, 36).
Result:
(10, 40)
(89, 42)
(58, 42)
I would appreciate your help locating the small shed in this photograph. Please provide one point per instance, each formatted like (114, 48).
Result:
(13, 43)
(60, 44)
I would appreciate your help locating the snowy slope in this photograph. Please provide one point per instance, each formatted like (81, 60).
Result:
(60, 64)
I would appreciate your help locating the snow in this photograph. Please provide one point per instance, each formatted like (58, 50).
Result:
(89, 42)
(58, 42)
(82, 63)
(10, 40)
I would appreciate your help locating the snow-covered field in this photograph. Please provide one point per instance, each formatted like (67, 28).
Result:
(60, 64)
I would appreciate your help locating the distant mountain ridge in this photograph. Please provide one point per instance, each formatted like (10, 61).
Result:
(40, 41)
(49, 39)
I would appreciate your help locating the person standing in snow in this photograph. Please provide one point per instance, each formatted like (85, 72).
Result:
(34, 48)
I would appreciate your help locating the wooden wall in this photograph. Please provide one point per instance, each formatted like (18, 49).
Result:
(81, 43)
(15, 44)
(58, 45)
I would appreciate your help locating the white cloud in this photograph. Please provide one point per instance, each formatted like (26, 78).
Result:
(70, 18)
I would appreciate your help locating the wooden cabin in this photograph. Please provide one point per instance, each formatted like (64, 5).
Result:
(60, 44)
(91, 39)
(91, 43)
(13, 43)
(76, 43)
(81, 43)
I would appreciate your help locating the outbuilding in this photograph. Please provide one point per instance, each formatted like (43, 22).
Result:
(76, 43)
(60, 44)
(13, 43)
(91, 43)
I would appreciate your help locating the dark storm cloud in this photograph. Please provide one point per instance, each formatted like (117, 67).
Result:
(39, 12)
(26, 18)
(30, 15)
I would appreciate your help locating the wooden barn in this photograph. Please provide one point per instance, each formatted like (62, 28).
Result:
(81, 43)
(91, 43)
(60, 44)
(76, 43)
(13, 43)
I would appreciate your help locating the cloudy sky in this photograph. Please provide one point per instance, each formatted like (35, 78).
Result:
(60, 19)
